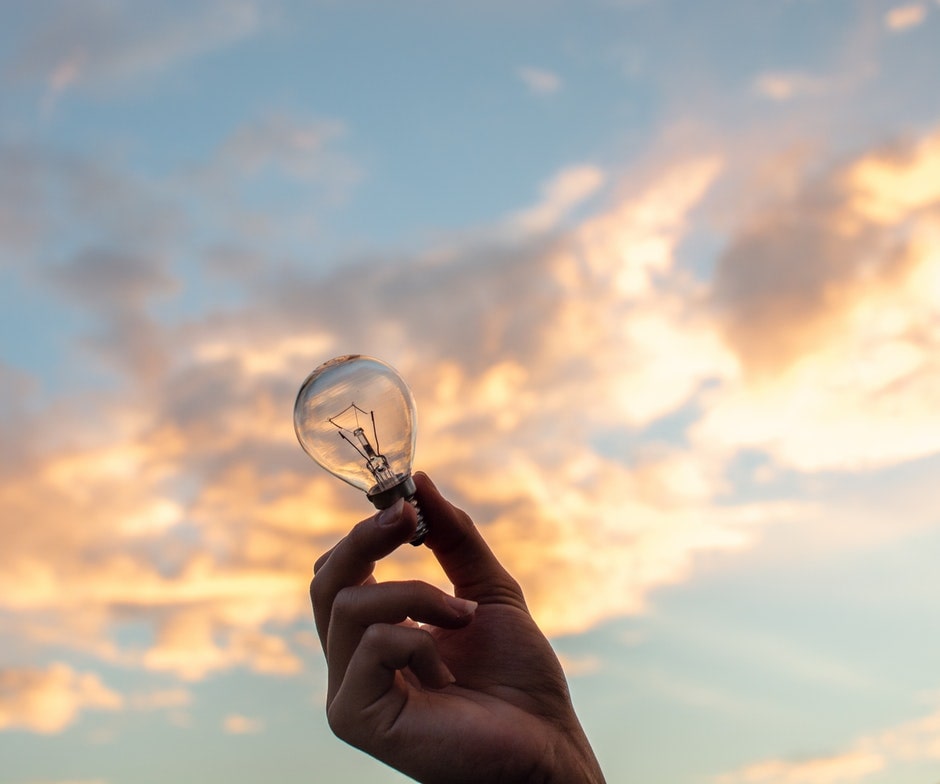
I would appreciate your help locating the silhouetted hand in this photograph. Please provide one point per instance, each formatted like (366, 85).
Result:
(475, 695)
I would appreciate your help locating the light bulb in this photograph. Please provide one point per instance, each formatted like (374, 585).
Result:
(356, 417)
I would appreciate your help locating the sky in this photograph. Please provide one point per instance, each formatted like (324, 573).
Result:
(664, 278)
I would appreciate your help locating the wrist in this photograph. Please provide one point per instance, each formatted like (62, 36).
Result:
(572, 762)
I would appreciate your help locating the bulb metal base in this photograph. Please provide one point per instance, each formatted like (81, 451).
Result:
(385, 497)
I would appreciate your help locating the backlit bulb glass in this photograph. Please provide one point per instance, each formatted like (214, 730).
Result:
(356, 417)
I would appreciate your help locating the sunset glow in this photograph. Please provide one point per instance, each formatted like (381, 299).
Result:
(669, 304)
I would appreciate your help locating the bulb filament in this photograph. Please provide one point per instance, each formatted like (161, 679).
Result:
(375, 461)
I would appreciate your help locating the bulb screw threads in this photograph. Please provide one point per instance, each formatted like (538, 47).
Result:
(421, 531)
(405, 488)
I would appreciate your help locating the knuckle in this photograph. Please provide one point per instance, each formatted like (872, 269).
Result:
(338, 720)
(317, 588)
(346, 601)
(318, 564)
(374, 636)
(415, 589)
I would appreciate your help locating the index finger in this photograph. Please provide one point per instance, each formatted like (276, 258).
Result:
(352, 560)
(462, 552)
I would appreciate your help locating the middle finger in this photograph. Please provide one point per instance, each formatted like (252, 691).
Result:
(355, 609)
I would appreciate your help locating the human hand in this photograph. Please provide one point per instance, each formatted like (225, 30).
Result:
(477, 694)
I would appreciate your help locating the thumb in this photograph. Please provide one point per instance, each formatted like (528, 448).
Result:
(462, 552)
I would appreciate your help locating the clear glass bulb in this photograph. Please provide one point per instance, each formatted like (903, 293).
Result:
(356, 417)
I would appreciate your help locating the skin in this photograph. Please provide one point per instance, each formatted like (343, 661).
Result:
(474, 694)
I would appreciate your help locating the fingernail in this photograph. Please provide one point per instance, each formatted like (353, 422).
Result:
(447, 677)
(462, 607)
(392, 514)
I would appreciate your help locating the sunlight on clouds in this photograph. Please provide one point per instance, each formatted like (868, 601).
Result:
(560, 196)
(578, 666)
(847, 370)
(571, 530)
(847, 767)
(276, 356)
(236, 724)
(887, 189)
(512, 427)
(784, 85)
(917, 740)
(538, 362)
(904, 17)
(49, 700)
(636, 239)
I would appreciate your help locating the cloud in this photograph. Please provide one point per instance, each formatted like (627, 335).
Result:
(236, 724)
(904, 17)
(268, 186)
(189, 508)
(830, 301)
(47, 701)
(111, 42)
(161, 699)
(294, 148)
(54, 202)
(917, 740)
(539, 81)
(581, 390)
(851, 766)
(565, 191)
(785, 85)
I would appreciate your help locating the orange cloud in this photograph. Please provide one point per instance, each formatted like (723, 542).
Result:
(784, 85)
(236, 724)
(539, 362)
(904, 17)
(565, 191)
(49, 700)
(832, 311)
(916, 740)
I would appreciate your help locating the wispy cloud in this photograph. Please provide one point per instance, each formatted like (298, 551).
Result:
(236, 724)
(178, 499)
(540, 81)
(106, 43)
(565, 191)
(904, 17)
(917, 740)
(48, 700)
(841, 287)
(785, 85)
